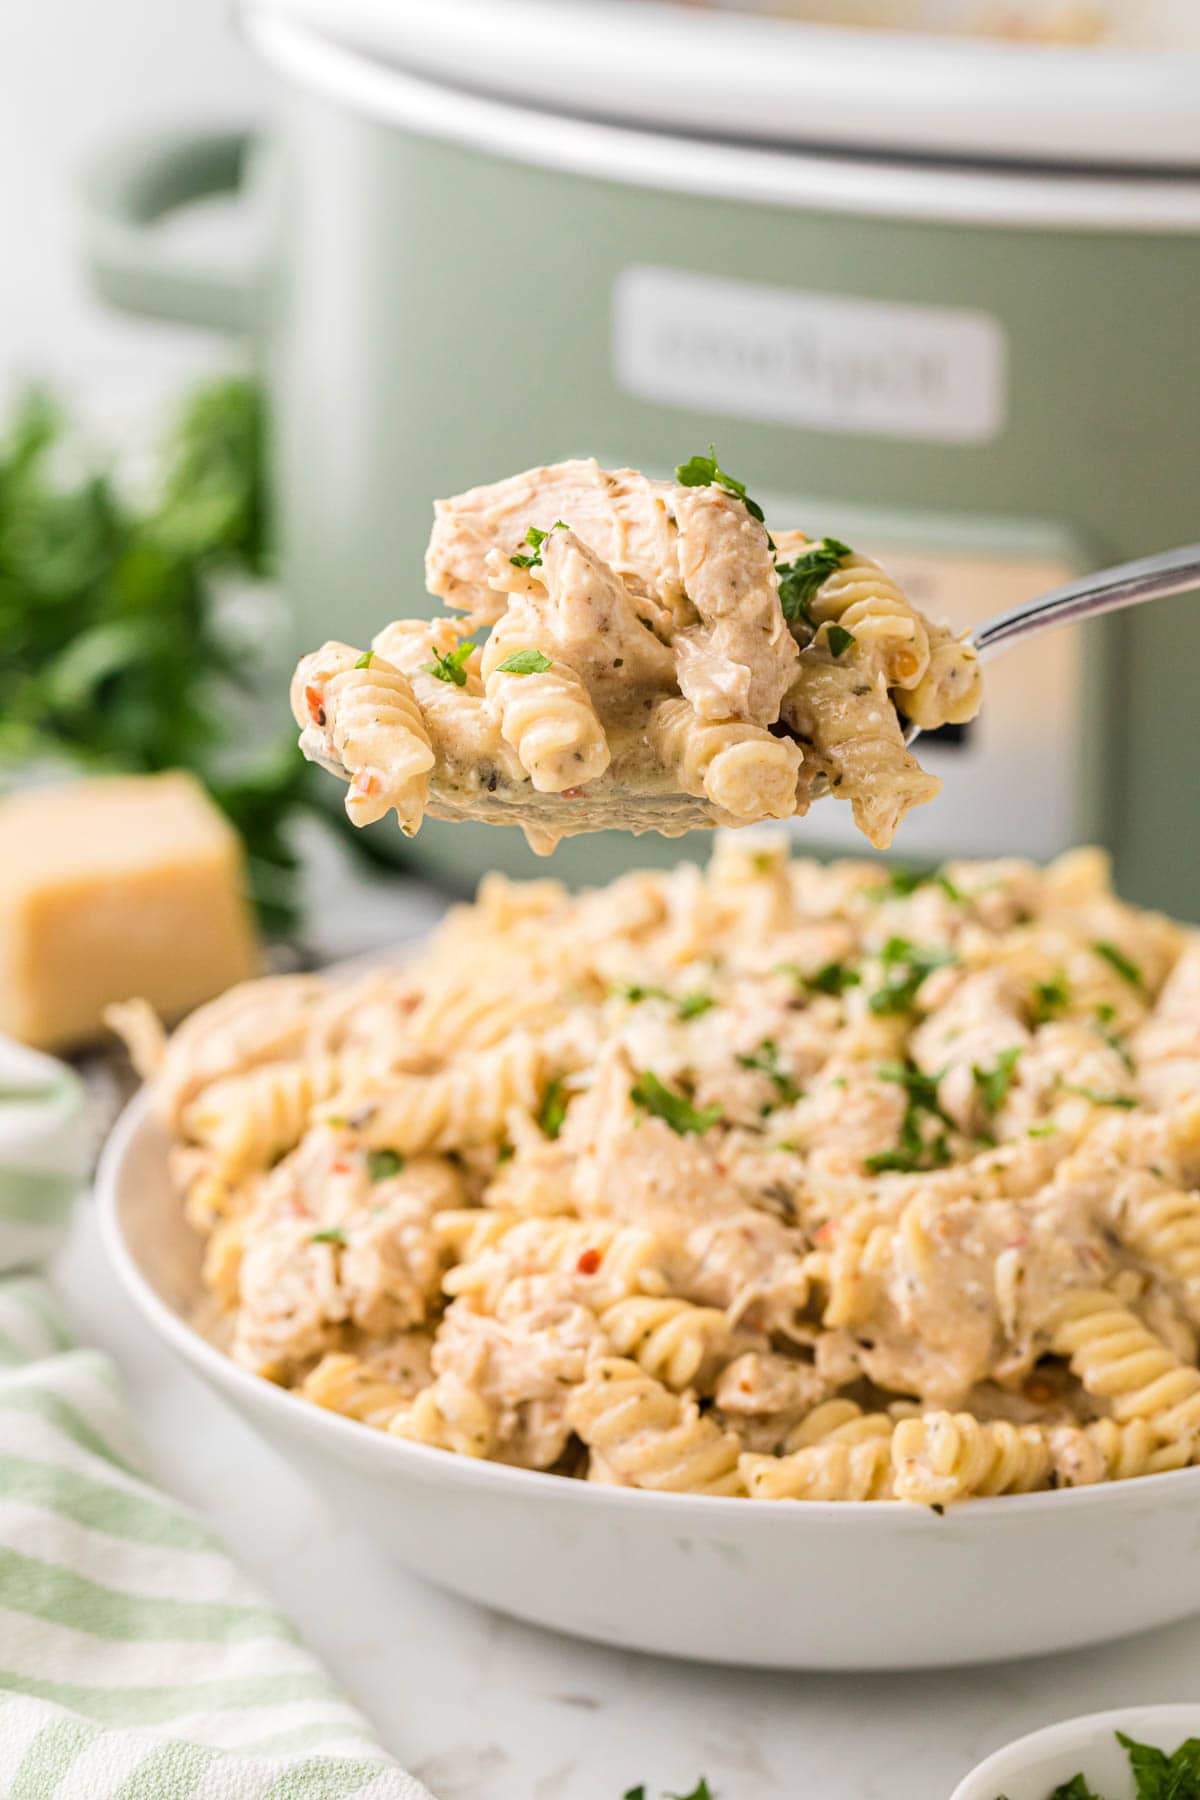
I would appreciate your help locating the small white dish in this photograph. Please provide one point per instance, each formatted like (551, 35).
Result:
(1031, 1767)
(791, 1585)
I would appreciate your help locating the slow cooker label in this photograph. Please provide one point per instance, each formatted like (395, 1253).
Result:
(834, 362)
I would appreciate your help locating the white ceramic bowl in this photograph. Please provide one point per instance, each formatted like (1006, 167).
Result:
(786, 1585)
(1032, 1767)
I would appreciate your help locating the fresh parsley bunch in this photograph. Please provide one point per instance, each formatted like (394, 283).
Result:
(1156, 1776)
(114, 655)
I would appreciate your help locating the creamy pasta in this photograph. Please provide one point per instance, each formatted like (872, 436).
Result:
(654, 660)
(776, 1180)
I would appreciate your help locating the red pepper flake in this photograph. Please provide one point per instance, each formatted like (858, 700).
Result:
(824, 1233)
(745, 1387)
(589, 1262)
(365, 783)
(314, 699)
(575, 793)
(340, 1167)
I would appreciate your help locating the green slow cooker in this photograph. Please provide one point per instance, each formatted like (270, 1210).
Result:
(936, 296)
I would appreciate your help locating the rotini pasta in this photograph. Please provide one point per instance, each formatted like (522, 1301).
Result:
(643, 1436)
(657, 660)
(786, 1181)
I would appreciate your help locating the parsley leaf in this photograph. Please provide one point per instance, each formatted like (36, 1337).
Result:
(1049, 998)
(839, 639)
(553, 1110)
(902, 882)
(908, 964)
(831, 978)
(691, 1006)
(524, 662)
(635, 992)
(637, 1793)
(675, 1110)
(766, 1061)
(1048, 1130)
(800, 579)
(452, 666)
(365, 660)
(332, 1235)
(994, 1083)
(915, 1149)
(1098, 1099)
(706, 471)
(535, 539)
(1128, 971)
(1075, 1789)
(701, 1791)
(383, 1164)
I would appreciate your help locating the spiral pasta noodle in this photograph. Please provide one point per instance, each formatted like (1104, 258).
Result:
(360, 714)
(465, 1104)
(670, 1338)
(889, 634)
(944, 1457)
(743, 770)
(825, 1471)
(648, 1437)
(1121, 1362)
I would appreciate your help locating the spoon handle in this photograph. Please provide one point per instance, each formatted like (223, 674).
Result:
(1108, 590)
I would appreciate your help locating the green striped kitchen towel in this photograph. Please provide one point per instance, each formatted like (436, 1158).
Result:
(136, 1661)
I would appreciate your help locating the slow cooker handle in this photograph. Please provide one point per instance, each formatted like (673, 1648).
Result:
(134, 186)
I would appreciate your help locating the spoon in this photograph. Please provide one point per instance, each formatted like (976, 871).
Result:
(1107, 590)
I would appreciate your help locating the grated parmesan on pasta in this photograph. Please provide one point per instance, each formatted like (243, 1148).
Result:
(779, 1180)
(655, 661)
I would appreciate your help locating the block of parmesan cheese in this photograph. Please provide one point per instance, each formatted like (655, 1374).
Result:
(115, 887)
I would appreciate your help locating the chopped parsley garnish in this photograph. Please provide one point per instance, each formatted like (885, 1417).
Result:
(809, 570)
(1050, 998)
(915, 1150)
(706, 471)
(1106, 1012)
(1156, 1776)
(635, 992)
(687, 1006)
(524, 662)
(701, 1791)
(1049, 1130)
(908, 964)
(902, 882)
(535, 539)
(993, 1084)
(365, 660)
(453, 666)
(839, 639)
(766, 1061)
(1099, 1099)
(831, 978)
(675, 1109)
(553, 1110)
(1117, 959)
(333, 1234)
(383, 1164)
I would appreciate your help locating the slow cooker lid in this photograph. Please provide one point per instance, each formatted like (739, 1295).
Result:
(767, 79)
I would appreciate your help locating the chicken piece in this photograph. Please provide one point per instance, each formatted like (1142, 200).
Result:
(624, 516)
(741, 659)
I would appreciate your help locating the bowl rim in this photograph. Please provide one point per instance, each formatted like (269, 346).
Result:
(999, 1766)
(138, 1117)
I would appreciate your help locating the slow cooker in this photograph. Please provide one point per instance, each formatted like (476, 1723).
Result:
(936, 295)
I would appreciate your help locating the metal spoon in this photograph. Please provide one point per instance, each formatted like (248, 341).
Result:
(1108, 590)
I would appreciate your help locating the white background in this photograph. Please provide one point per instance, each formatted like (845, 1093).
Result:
(74, 75)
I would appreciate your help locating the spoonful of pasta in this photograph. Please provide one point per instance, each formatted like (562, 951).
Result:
(644, 654)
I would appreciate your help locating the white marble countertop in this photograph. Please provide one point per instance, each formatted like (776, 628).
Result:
(483, 1708)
